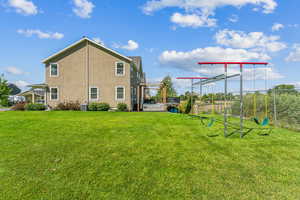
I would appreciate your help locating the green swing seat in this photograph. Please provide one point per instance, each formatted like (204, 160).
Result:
(265, 122)
(211, 122)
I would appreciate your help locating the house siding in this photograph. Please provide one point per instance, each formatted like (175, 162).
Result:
(71, 81)
(102, 75)
(87, 65)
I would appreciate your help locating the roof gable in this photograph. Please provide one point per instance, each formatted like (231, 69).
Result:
(82, 40)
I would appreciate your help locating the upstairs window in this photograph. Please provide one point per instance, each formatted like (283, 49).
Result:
(120, 69)
(94, 95)
(53, 69)
(120, 93)
(54, 93)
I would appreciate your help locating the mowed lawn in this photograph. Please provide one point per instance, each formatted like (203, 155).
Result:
(94, 155)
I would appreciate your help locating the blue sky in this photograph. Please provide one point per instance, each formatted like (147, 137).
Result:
(170, 35)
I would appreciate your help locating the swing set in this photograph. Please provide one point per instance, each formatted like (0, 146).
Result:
(266, 120)
(202, 118)
(243, 130)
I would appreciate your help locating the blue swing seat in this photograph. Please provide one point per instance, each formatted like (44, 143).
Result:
(174, 110)
(211, 122)
(265, 122)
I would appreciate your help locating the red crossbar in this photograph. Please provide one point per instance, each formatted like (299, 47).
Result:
(191, 78)
(233, 63)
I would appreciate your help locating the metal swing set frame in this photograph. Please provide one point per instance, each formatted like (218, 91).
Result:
(205, 80)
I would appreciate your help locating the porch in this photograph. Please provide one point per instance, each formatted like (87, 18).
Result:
(37, 94)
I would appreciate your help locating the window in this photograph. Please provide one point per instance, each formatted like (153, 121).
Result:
(94, 93)
(120, 69)
(53, 69)
(120, 93)
(54, 93)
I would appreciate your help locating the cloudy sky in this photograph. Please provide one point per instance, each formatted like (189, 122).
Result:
(170, 35)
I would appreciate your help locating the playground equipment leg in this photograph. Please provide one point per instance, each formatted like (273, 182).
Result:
(241, 102)
(275, 107)
(225, 99)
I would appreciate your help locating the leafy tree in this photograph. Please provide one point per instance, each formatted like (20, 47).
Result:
(217, 97)
(166, 83)
(284, 89)
(186, 96)
(4, 91)
(14, 89)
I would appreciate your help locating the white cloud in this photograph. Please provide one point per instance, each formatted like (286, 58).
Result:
(154, 5)
(277, 27)
(293, 25)
(261, 73)
(130, 46)
(180, 85)
(22, 84)
(233, 18)
(192, 20)
(15, 71)
(203, 8)
(294, 56)
(297, 84)
(83, 8)
(151, 50)
(24, 7)
(98, 40)
(40, 34)
(254, 40)
(188, 60)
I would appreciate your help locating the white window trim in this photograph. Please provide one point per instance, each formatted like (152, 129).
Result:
(90, 93)
(51, 94)
(116, 93)
(116, 68)
(50, 66)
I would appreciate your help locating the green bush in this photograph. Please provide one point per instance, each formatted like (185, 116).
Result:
(182, 106)
(5, 103)
(288, 111)
(122, 107)
(99, 107)
(68, 106)
(35, 107)
(288, 108)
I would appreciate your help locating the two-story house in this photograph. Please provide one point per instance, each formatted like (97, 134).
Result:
(87, 71)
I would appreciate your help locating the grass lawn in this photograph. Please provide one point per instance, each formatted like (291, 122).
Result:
(90, 155)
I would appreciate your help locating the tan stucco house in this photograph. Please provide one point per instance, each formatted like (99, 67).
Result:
(87, 71)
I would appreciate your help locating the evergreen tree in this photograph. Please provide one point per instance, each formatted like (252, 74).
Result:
(4, 91)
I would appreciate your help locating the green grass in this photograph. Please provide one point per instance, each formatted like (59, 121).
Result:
(92, 155)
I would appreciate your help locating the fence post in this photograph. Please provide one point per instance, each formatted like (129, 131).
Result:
(275, 107)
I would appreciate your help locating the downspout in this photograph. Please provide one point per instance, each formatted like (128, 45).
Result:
(87, 71)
